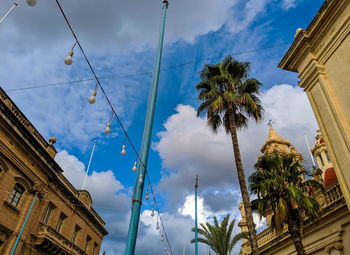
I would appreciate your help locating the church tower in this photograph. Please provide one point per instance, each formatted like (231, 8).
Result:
(274, 143)
(319, 151)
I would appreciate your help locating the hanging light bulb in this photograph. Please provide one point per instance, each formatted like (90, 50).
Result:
(165, 247)
(140, 179)
(157, 226)
(123, 152)
(31, 2)
(68, 60)
(152, 213)
(147, 197)
(108, 129)
(134, 168)
(92, 99)
(162, 238)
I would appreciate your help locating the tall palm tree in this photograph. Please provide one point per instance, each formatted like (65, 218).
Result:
(230, 99)
(219, 236)
(280, 185)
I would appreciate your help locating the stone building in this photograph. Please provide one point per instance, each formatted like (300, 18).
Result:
(330, 233)
(61, 219)
(321, 56)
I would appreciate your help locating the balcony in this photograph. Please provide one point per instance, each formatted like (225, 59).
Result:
(330, 199)
(53, 242)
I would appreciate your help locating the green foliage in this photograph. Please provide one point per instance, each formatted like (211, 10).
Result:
(225, 85)
(280, 185)
(219, 236)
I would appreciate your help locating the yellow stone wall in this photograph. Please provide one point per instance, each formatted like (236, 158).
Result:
(321, 56)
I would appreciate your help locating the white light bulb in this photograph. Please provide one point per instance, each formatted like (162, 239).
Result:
(157, 226)
(123, 152)
(140, 179)
(152, 213)
(165, 247)
(147, 197)
(68, 60)
(108, 129)
(162, 238)
(92, 99)
(134, 168)
(31, 2)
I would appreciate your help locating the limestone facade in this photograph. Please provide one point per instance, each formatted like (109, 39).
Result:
(328, 234)
(321, 56)
(62, 220)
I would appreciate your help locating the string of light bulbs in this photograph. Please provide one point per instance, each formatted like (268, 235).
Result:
(69, 61)
(136, 74)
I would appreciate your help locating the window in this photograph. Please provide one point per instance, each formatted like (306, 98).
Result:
(60, 222)
(48, 213)
(328, 158)
(322, 163)
(94, 248)
(16, 194)
(88, 239)
(75, 233)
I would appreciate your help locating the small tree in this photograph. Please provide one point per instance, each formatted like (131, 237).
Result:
(219, 236)
(280, 186)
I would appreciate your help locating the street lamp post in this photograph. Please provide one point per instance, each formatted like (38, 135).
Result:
(141, 173)
(195, 217)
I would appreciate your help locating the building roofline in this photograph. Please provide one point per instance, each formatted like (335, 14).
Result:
(31, 134)
(301, 36)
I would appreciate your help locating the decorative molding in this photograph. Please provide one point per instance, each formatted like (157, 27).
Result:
(334, 246)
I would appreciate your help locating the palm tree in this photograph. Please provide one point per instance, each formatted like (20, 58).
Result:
(219, 236)
(230, 98)
(280, 185)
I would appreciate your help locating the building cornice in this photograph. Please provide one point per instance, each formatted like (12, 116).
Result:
(306, 40)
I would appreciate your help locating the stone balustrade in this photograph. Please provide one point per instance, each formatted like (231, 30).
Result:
(328, 199)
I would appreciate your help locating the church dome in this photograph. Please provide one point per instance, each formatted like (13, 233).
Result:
(329, 176)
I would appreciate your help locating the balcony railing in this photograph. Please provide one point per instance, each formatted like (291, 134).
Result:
(54, 243)
(329, 199)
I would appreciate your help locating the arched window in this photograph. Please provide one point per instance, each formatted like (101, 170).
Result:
(16, 194)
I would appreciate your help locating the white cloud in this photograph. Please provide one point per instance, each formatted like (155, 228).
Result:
(187, 147)
(189, 209)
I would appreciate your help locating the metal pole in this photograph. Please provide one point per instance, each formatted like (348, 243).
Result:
(13, 6)
(87, 170)
(308, 146)
(195, 218)
(138, 189)
(25, 221)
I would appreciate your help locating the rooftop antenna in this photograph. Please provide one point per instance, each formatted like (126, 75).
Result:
(87, 170)
(308, 146)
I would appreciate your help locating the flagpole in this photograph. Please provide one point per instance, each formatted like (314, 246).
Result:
(87, 170)
(146, 141)
(13, 6)
(195, 220)
(308, 146)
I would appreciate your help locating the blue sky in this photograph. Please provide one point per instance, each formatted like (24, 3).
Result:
(119, 38)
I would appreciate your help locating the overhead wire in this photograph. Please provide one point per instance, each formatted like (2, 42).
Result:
(136, 74)
(113, 110)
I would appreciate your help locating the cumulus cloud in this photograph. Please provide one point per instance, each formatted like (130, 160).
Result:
(187, 147)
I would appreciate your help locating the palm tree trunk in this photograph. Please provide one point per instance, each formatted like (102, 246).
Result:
(294, 229)
(243, 184)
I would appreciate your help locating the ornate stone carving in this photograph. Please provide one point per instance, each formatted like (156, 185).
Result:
(334, 246)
